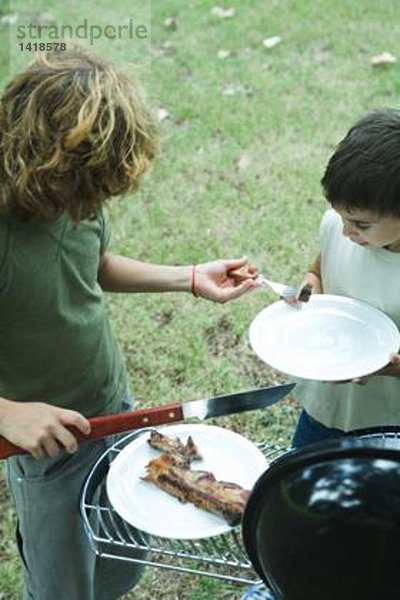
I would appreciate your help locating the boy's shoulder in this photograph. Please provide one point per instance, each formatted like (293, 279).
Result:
(56, 230)
(330, 231)
(330, 218)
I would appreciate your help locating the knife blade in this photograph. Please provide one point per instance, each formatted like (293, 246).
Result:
(235, 403)
(149, 417)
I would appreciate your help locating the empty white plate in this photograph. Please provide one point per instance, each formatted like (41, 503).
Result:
(329, 338)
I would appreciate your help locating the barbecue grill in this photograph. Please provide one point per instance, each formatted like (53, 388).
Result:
(226, 556)
(222, 556)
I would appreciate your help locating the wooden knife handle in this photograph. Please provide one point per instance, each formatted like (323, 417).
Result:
(134, 419)
(9, 449)
(110, 424)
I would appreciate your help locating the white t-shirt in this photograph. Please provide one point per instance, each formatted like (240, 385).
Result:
(373, 275)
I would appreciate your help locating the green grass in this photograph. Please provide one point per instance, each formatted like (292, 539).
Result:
(284, 110)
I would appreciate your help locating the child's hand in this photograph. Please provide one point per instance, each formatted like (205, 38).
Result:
(392, 369)
(219, 280)
(41, 429)
(311, 284)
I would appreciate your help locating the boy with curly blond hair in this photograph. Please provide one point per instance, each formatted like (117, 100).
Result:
(74, 132)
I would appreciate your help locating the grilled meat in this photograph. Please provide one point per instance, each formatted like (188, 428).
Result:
(172, 445)
(172, 474)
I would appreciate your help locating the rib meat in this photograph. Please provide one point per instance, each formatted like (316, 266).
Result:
(172, 474)
(173, 445)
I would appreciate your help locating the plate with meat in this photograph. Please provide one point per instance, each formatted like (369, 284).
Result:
(184, 481)
(330, 338)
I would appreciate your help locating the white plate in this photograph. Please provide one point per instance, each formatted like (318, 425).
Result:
(329, 338)
(228, 455)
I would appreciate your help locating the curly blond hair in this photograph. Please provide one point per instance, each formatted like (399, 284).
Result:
(74, 131)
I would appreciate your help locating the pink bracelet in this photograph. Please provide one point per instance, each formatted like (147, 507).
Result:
(193, 283)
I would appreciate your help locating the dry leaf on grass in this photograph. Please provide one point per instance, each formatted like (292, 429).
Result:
(382, 60)
(244, 163)
(222, 54)
(223, 13)
(162, 114)
(236, 89)
(171, 23)
(163, 50)
(271, 42)
(9, 19)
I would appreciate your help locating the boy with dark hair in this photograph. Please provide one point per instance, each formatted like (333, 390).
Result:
(359, 258)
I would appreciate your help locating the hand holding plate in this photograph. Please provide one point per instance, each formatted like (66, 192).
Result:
(392, 369)
(332, 338)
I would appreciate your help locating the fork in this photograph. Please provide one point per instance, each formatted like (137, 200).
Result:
(285, 291)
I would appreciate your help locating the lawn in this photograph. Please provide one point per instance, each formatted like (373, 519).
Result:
(246, 133)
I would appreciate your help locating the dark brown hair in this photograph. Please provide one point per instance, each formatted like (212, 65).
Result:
(364, 171)
(74, 131)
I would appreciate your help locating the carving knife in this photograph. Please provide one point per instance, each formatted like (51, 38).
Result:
(149, 417)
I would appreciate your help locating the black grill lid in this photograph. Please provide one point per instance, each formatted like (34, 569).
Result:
(323, 522)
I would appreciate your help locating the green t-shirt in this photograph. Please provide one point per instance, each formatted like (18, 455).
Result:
(56, 344)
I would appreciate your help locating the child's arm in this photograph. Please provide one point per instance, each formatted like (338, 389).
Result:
(313, 279)
(313, 276)
(39, 428)
(209, 280)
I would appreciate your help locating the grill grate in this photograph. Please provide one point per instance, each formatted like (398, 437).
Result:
(387, 436)
(222, 556)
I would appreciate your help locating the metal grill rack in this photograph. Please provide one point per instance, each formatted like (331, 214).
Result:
(222, 556)
(385, 436)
